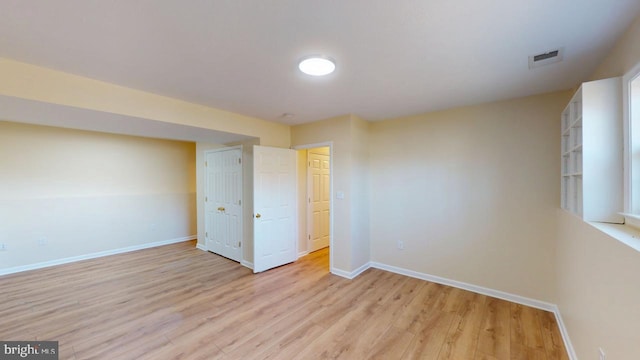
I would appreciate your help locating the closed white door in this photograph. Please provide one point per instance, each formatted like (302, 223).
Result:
(274, 185)
(223, 202)
(319, 197)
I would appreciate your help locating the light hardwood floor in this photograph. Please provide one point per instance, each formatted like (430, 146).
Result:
(177, 302)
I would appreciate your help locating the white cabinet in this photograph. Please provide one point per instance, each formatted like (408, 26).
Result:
(591, 152)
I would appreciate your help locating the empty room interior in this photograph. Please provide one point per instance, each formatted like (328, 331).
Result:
(321, 179)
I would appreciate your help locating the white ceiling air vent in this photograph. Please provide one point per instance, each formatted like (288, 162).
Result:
(546, 58)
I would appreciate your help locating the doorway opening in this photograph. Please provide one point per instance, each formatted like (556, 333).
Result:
(315, 201)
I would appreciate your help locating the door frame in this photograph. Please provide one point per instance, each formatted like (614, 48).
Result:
(303, 192)
(242, 201)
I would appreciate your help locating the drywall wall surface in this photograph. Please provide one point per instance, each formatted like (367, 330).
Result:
(471, 192)
(360, 189)
(31, 82)
(338, 131)
(624, 56)
(596, 274)
(68, 193)
(598, 296)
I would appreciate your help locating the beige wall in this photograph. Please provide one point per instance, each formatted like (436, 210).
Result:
(337, 131)
(85, 192)
(30, 82)
(360, 190)
(597, 276)
(625, 54)
(598, 292)
(24, 81)
(349, 136)
(472, 193)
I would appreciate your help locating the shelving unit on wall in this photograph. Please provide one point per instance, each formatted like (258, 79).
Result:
(591, 152)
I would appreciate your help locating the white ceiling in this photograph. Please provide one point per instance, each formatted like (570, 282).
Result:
(394, 58)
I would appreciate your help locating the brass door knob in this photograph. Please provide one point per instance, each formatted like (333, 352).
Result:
(221, 209)
(258, 216)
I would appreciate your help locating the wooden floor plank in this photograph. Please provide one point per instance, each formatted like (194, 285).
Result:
(462, 339)
(552, 338)
(494, 338)
(430, 337)
(526, 328)
(177, 302)
(391, 345)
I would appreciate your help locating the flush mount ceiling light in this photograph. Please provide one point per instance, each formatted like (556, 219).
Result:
(317, 65)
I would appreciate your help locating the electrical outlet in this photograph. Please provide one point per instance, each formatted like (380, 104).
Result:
(3, 247)
(603, 356)
(400, 244)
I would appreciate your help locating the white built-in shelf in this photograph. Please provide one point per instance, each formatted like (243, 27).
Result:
(591, 152)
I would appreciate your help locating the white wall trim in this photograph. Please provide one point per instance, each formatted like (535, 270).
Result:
(202, 247)
(469, 287)
(542, 305)
(360, 270)
(342, 273)
(351, 275)
(99, 254)
(302, 253)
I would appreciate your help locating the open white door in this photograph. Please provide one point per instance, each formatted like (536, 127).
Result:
(274, 206)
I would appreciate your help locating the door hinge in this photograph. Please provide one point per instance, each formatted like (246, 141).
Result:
(309, 236)
(309, 200)
(205, 164)
(239, 160)
(206, 198)
(239, 243)
(239, 202)
(206, 234)
(309, 163)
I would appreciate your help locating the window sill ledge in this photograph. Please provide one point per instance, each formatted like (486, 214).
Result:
(626, 234)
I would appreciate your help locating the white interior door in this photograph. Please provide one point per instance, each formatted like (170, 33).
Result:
(319, 199)
(223, 202)
(274, 195)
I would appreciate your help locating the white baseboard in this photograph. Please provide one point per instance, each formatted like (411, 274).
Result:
(302, 253)
(351, 275)
(71, 259)
(489, 292)
(202, 247)
(469, 287)
(344, 274)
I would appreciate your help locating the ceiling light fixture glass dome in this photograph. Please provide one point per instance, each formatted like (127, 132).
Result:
(317, 65)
